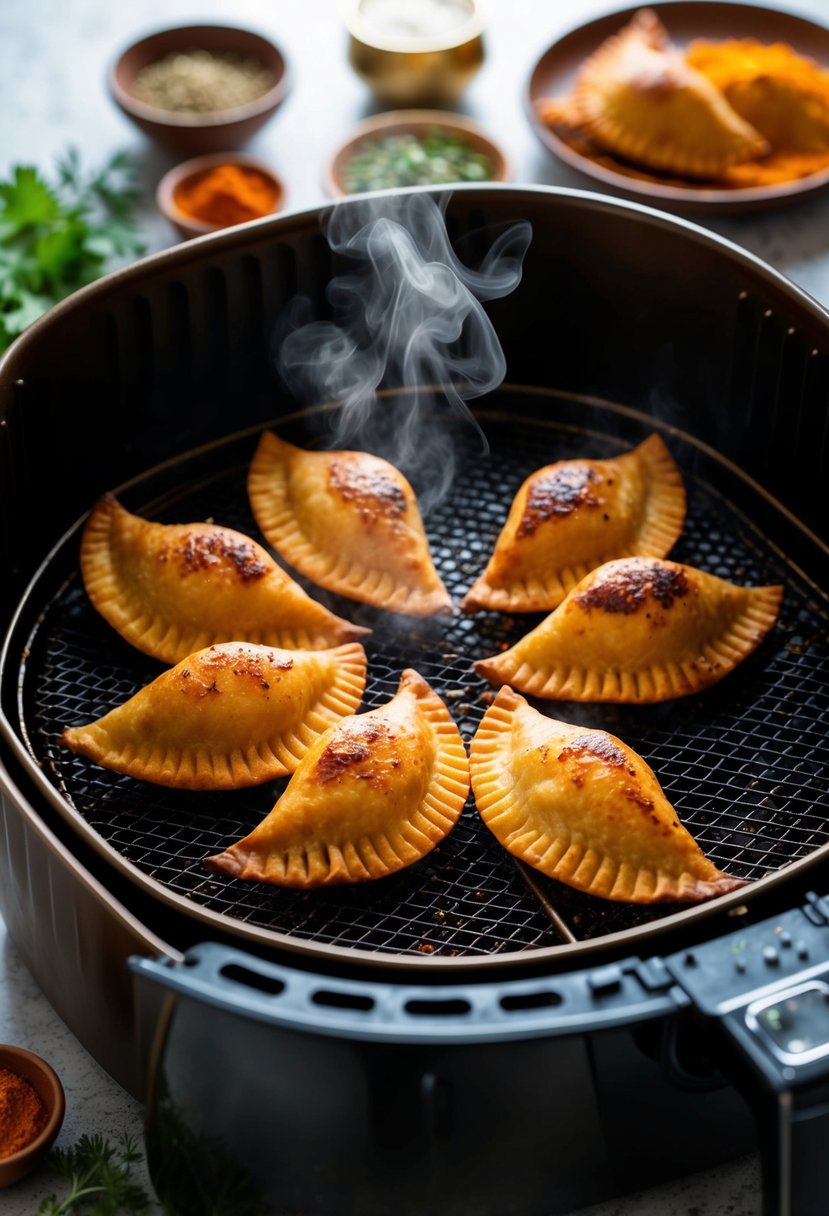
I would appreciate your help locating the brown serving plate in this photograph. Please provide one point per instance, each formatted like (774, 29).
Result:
(555, 71)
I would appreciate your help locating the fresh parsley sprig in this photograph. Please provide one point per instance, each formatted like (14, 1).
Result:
(56, 237)
(98, 1174)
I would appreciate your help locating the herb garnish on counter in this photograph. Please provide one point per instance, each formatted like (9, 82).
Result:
(99, 1176)
(406, 158)
(55, 238)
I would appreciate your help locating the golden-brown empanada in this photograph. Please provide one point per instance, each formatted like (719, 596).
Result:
(785, 96)
(639, 99)
(348, 521)
(229, 716)
(374, 794)
(638, 630)
(558, 113)
(172, 589)
(582, 807)
(572, 516)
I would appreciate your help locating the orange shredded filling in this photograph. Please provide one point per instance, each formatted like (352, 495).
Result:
(742, 59)
(785, 96)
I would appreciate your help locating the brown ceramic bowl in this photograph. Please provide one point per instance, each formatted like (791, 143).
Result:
(44, 1080)
(186, 225)
(195, 133)
(417, 122)
(430, 67)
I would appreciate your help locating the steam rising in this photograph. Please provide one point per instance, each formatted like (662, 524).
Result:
(407, 315)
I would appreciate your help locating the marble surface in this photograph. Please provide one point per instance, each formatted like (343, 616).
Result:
(53, 61)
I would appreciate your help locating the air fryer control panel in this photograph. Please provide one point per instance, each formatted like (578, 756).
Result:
(756, 962)
(764, 990)
(795, 1025)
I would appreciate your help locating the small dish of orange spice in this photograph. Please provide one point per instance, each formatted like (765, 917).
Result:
(218, 191)
(31, 1111)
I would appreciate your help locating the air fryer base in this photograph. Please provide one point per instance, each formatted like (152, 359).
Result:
(353, 1127)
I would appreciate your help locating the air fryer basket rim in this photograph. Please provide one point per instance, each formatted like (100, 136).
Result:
(227, 239)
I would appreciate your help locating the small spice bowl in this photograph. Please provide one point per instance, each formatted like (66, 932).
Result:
(178, 184)
(209, 131)
(420, 53)
(45, 1082)
(416, 127)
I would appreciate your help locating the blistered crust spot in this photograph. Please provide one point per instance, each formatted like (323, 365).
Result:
(368, 487)
(353, 748)
(196, 552)
(628, 589)
(593, 745)
(559, 493)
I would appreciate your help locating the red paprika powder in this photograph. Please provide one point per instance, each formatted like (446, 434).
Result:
(23, 1114)
(226, 195)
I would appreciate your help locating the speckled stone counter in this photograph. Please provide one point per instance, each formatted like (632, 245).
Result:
(53, 61)
(95, 1104)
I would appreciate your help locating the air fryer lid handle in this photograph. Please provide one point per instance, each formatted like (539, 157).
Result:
(767, 990)
(623, 994)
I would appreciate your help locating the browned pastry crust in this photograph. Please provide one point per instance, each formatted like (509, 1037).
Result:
(572, 516)
(374, 794)
(638, 98)
(172, 589)
(348, 521)
(582, 807)
(638, 630)
(229, 716)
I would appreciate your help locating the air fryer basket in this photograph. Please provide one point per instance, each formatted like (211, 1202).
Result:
(158, 381)
(742, 763)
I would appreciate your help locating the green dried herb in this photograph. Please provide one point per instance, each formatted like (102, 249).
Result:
(407, 159)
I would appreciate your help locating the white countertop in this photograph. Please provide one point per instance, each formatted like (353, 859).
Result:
(53, 59)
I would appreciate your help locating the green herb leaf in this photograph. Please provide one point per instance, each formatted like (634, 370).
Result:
(18, 312)
(61, 253)
(27, 201)
(98, 1176)
(54, 239)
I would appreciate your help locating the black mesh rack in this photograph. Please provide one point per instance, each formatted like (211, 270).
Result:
(742, 762)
